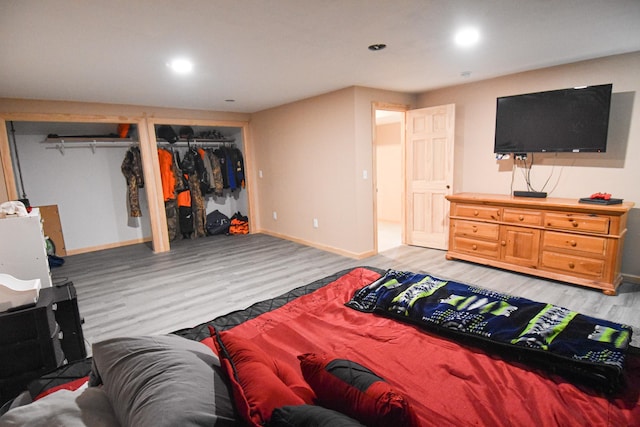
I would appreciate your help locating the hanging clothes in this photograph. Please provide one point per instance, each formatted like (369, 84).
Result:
(232, 167)
(193, 169)
(132, 170)
(172, 185)
(197, 206)
(171, 212)
(201, 171)
(186, 182)
(185, 213)
(238, 166)
(167, 174)
(218, 183)
(208, 167)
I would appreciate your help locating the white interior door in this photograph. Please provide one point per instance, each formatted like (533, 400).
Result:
(429, 175)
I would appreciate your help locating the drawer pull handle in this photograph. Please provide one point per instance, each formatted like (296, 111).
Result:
(521, 217)
(503, 243)
(474, 228)
(572, 265)
(575, 224)
(476, 213)
(474, 247)
(573, 243)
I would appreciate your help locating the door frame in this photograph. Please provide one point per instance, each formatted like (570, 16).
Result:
(402, 108)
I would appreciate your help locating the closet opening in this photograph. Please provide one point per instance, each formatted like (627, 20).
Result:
(211, 181)
(74, 170)
(77, 167)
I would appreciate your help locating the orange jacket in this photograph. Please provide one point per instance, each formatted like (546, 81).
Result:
(166, 174)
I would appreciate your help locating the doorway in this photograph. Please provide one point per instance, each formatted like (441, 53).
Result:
(413, 152)
(389, 125)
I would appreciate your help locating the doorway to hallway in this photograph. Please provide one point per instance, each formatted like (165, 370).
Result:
(389, 178)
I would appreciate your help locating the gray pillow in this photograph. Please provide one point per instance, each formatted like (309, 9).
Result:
(163, 380)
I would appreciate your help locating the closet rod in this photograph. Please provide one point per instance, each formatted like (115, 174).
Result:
(197, 143)
(62, 146)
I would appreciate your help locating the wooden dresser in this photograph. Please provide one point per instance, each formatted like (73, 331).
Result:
(558, 239)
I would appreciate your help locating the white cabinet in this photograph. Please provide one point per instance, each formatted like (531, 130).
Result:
(23, 252)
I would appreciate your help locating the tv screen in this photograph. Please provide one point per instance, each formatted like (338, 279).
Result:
(565, 120)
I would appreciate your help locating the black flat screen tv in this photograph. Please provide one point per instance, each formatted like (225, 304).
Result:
(565, 120)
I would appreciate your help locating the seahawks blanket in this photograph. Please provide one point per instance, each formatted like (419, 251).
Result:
(578, 347)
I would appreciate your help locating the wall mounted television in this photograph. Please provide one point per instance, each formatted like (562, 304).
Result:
(565, 120)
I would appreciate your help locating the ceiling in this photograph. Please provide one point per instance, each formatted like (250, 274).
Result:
(264, 53)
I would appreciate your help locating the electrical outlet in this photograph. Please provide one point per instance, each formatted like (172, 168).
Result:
(275, 215)
(315, 222)
(260, 173)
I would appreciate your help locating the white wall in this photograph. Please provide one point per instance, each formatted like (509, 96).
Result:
(313, 155)
(581, 174)
(89, 189)
(305, 153)
(572, 175)
(389, 172)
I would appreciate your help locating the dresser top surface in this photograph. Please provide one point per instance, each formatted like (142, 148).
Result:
(539, 203)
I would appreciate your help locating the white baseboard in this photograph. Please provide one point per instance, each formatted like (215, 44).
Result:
(631, 278)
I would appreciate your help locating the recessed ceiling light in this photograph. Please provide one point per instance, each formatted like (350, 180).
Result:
(467, 37)
(181, 66)
(376, 47)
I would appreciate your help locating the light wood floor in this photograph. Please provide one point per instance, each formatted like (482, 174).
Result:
(132, 291)
(389, 235)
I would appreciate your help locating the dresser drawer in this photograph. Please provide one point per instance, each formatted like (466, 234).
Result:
(473, 229)
(576, 265)
(476, 247)
(524, 217)
(568, 221)
(577, 242)
(477, 212)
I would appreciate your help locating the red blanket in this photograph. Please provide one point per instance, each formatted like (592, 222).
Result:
(447, 384)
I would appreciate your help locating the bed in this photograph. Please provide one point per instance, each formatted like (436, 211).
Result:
(361, 347)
